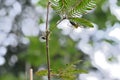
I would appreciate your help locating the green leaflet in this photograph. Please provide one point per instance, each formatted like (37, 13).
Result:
(82, 7)
(73, 10)
(81, 22)
(59, 6)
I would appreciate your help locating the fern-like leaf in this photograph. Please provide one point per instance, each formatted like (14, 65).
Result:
(73, 8)
(59, 6)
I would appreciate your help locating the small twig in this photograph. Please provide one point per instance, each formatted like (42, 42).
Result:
(31, 74)
(47, 41)
(60, 21)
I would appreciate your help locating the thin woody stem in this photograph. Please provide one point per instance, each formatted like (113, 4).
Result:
(47, 42)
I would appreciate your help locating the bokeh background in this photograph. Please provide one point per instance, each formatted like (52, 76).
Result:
(22, 25)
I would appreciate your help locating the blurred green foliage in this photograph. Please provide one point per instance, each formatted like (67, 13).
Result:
(68, 73)
(100, 17)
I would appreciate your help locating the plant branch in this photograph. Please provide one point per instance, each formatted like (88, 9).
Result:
(60, 20)
(47, 41)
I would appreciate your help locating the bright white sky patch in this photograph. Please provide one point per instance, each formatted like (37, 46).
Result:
(100, 60)
(78, 30)
(42, 27)
(65, 26)
(17, 8)
(2, 37)
(114, 8)
(5, 24)
(101, 34)
(29, 27)
(34, 1)
(75, 34)
(115, 71)
(11, 40)
(2, 60)
(115, 32)
(91, 78)
(13, 60)
(3, 12)
(86, 48)
(3, 51)
(25, 41)
(9, 2)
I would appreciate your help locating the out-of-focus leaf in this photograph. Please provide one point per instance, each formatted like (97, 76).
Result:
(68, 73)
(42, 3)
(35, 53)
(109, 41)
